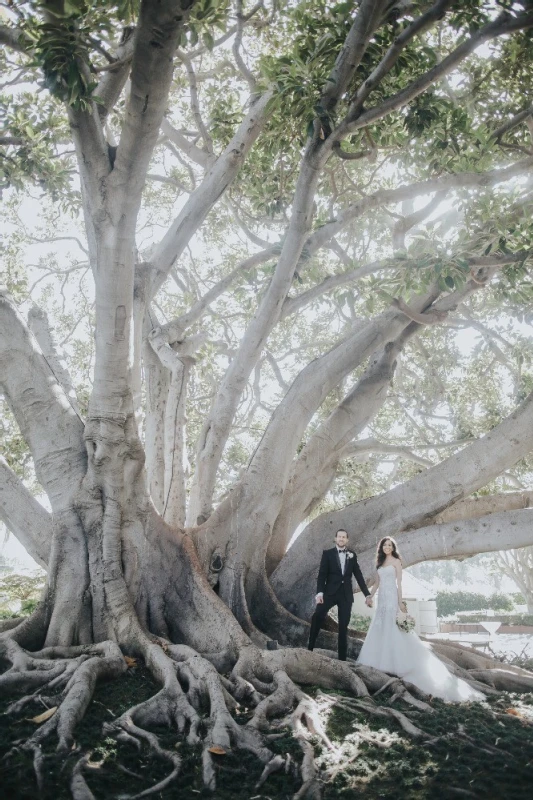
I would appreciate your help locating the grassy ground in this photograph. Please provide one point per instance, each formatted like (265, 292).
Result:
(399, 769)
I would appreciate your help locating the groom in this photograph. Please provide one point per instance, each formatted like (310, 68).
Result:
(334, 588)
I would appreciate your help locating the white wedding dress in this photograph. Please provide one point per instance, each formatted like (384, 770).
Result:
(389, 649)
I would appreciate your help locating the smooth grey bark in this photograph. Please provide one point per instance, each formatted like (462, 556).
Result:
(316, 465)
(40, 327)
(157, 381)
(366, 22)
(504, 530)
(24, 516)
(217, 426)
(44, 414)
(473, 507)
(202, 200)
(255, 502)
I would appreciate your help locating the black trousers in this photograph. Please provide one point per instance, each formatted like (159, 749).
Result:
(344, 606)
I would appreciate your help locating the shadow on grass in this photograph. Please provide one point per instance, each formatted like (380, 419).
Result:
(237, 773)
(400, 770)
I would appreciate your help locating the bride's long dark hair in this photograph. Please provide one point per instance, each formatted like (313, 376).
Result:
(380, 555)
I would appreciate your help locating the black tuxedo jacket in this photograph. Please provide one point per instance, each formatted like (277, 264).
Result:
(331, 578)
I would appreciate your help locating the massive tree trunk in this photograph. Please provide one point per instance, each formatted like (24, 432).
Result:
(126, 574)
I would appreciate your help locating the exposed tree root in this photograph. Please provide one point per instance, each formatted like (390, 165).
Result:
(78, 784)
(72, 670)
(199, 702)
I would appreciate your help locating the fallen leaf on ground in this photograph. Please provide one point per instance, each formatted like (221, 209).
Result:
(44, 716)
(131, 662)
(218, 751)
(513, 712)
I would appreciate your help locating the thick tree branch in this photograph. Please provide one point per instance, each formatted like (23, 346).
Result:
(191, 150)
(412, 504)
(206, 195)
(114, 78)
(157, 381)
(24, 515)
(155, 41)
(359, 448)
(512, 123)
(11, 141)
(504, 24)
(48, 423)
(260, 491)
(217, 426)
(418, 26)
(473, 507)
(500, 531)
(366, 22)
(15, 39)
(40, 327)
(93, 161)
(462, 180)
(178, 361)
(315, 468)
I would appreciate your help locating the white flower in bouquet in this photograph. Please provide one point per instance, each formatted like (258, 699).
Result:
(406, 623)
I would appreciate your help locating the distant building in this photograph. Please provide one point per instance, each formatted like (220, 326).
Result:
(421, 604)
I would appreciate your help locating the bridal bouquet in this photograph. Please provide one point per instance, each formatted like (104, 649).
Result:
(405, 622)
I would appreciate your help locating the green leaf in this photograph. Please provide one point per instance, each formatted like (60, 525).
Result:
(208, 40)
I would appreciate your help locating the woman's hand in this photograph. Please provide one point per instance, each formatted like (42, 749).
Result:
(403, 606)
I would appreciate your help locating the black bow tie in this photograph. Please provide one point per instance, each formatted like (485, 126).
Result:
(342, 551)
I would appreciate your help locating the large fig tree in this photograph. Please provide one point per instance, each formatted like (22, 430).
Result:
(285, 212)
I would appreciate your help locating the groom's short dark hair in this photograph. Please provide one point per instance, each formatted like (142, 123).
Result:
(343, 530)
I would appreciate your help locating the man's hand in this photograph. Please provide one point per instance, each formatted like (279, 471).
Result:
(319, 598)
(369, 601)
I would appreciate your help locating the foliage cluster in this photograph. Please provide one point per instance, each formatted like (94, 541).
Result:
(358, 622)
(451, 602)
(20, 593)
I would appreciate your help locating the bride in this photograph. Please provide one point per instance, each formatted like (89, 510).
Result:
(390, 649)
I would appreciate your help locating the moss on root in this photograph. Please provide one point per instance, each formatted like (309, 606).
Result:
(398, 769)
